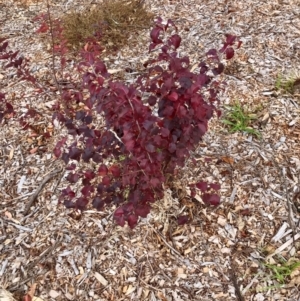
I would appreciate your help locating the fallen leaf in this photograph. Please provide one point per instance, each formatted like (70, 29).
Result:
(34, 150)
(227, 159)
(245, 212)
(182, 219)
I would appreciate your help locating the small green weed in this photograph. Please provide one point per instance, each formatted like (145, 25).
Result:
(239, 120)
(287, 84)
(281, 271)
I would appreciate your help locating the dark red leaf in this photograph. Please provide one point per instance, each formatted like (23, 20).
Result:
(230, 39)
(212, 52)
(106, 180)
(69, 204)
(86, 190)
(87, 154)
(5, 56)
(215, 186)
(71, 167)
(120, 221)
(211, 199)
(132, 220)
(151, 47)
(31, 113)
(182, 219)
(172, 147)
(98, 203)
(219, 69)
(100, 188)
(73, 177)
(152, 100)
(150, 148)
(43, 28)
(75, 153)
(203, 186)
(65, 157)
(119, 216)
(57, 152)
(142, 210)
(115, 170)
(154, 35)
(229, 53)
(81, 203)
(154, 182)
(89, 174)
(97, 158)
(175, 40)
(173, 96)
(245, 212)
(101, 68)
(68, 192)
(80, 115)
(165, 132)
(102, 170)
(117, 199)
(130, 145)
(3, 46)
(119, 212)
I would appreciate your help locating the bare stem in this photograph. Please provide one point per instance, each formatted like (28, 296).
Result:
(53, 52)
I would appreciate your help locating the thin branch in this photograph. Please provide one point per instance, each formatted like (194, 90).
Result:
(35, 195)
(233, 278)
(166, 243)
(53, 52)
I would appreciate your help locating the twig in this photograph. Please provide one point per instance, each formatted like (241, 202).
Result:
(35, 195)
(59, 180)
(45, 254)
(285, 245)
(3, 267)
(3, 228)
(15, 287)
(282, 177)
(53, 52)
(290, 210)
(166, 243)
(22, 228)
(235, 284)
(250, 284)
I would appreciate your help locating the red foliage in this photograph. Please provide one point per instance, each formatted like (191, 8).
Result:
(151, 126)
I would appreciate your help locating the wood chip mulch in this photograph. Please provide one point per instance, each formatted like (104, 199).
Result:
(222, 253)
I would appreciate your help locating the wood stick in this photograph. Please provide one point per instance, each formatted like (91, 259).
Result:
(39, 189)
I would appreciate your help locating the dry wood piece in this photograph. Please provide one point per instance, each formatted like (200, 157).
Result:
(6, 295)
(236, 285)
(39, 189)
